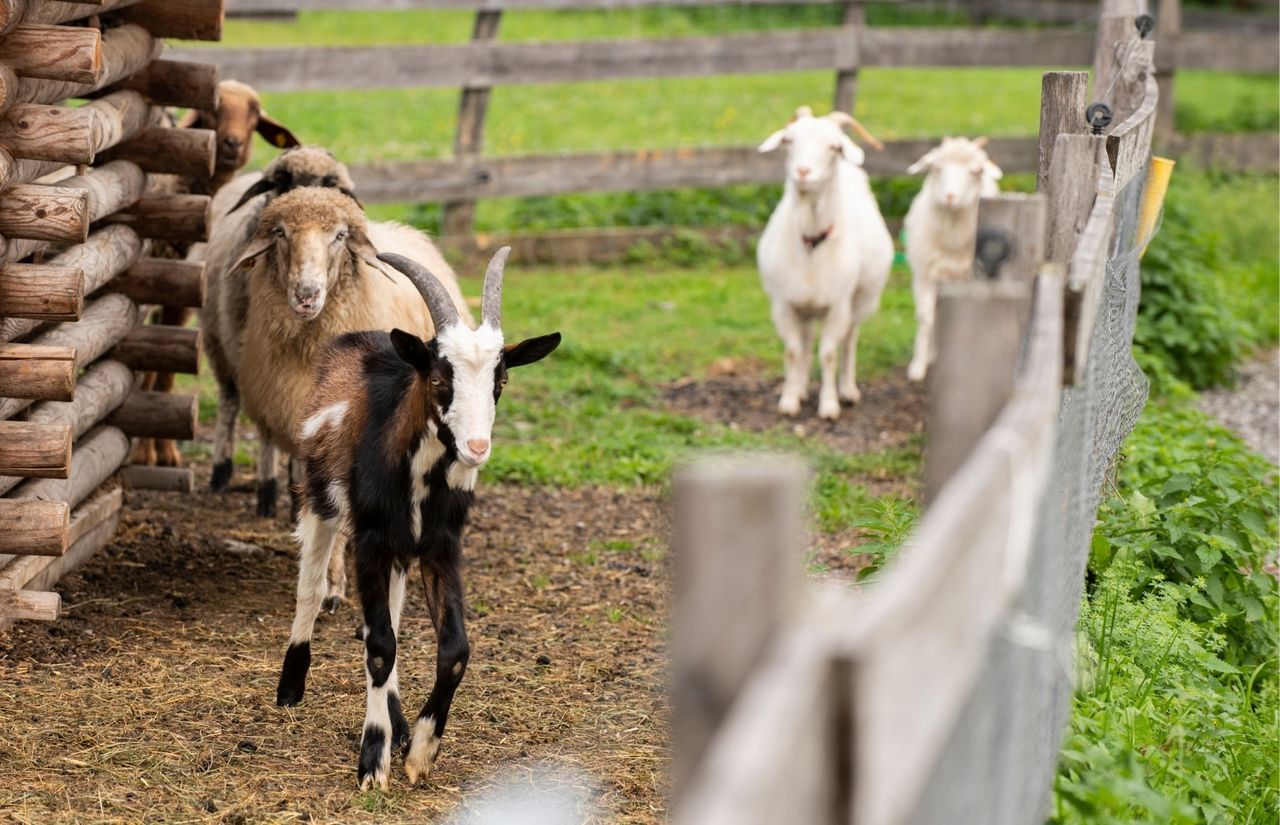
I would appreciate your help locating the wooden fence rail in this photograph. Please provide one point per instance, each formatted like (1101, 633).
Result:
(484, 62)
(939, 693)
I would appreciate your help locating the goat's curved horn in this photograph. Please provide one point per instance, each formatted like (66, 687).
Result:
(491, 308)
(846, 119)
(439, 302)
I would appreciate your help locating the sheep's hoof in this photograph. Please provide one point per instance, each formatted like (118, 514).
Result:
(220, 480)
(789, 406)
(144, 453)
(916, 371)
(167, 453)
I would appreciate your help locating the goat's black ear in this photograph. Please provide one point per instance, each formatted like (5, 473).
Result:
(276, 133)
(411, 350)
(260, 188)
(530, 350)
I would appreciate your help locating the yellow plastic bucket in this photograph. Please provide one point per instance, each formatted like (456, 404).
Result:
(1153, 198)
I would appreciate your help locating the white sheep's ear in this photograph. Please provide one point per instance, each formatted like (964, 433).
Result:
(851, 151)
(251, 252)
(992, 171)
(773, 141)
(980, 142)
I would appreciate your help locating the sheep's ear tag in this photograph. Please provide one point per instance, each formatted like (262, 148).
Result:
(280, 140)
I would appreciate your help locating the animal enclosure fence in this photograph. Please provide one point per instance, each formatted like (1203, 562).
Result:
(486, 62)
(81, 217)
(940, 692)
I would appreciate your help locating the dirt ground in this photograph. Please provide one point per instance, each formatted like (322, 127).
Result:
(152, 698)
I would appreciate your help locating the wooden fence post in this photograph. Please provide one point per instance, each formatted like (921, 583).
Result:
(854, 15)
(459, 216)
(739, 542)
(1020, 219)
(1168, 26)
(1064, 97)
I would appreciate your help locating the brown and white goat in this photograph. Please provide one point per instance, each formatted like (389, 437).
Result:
(239, 114)
(395, 432)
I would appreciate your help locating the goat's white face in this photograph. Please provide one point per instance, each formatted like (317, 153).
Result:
(814, 146)
(474, 357)
(957, 171)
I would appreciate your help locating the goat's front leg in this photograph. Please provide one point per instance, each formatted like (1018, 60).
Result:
(797, 345)
(447, 605)
(267, 485)
(373, 576)
(926, 298)
(835, 330)
(318, 537)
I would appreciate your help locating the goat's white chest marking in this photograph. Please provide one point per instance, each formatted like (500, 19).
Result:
(429, 451)
(461, 477)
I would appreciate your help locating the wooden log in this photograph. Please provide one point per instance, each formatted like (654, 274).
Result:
(978, 330)
(71, 53)
(1063, 101)
(167, 217)
(57, 11)
(37, 528)
(60, 134)
(1168, 27)
(40, 372)
(161, 150)
(35, 450)
(160, 348)
(110, 187)
(181, 19)
(44, 292)
(101, 389)
(125, 50)
(1021, 219)
(45, 213)
(177, 83)
(157, 415)
(121, 115)
(10, 88)
(162, 479)
(94, 458)
(41, 572)
(107, 252)
(163, 281)
(11, 14)
(459, 216)
(739, 541)
(100, 527)
(29, 604)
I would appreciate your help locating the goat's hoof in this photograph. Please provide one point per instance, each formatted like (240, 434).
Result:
(789, 406)
(267, 499)
(220, 480)
(916, 371)
(331, 605)
(375, 760)
(288, 695)
(828, 410)
(422, 751)
(853, 396)
(400, 735)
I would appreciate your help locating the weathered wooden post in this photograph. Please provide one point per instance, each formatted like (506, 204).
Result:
(739, 542)
(853, 19)
(1168, 27)
(459, 216)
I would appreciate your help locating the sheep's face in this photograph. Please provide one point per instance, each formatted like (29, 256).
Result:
(238, 116)
(467, 370)
(313, 236)
(814, 146)
(957, 171)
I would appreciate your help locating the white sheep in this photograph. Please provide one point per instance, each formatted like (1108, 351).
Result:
(941, 226)
(825, 256)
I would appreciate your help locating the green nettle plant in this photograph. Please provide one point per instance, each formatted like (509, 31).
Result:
(1199, 511)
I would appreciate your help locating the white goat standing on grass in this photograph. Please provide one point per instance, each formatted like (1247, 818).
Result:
(824, 256)
(941, 228)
